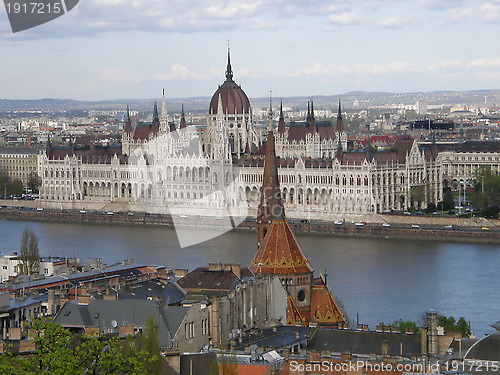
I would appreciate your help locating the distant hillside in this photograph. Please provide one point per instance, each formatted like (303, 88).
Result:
(200, 104)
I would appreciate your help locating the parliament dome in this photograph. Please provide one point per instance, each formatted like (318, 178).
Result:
(234, 100)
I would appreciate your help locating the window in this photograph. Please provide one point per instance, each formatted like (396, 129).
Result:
(189, 330)
(204, 327)
(301, 296)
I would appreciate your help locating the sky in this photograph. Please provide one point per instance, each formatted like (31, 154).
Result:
(132, 49)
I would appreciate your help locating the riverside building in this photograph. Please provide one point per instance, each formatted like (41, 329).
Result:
(162, 167)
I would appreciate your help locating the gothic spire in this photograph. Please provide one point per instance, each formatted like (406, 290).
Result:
(312, 120)
(229, 70)
(271, 206)
(128, 122)
(155, 125)
(281, 123)
(164, 115)
(183, 118)
(308, 112)
(340, 123)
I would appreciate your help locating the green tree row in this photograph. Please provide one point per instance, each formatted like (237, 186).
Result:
(15, 186)
(450, 324)
(60, 352)
(486, 195)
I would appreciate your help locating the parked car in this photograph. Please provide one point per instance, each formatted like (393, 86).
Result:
(415, 226)
(360, 223)
(386, 225)
(338, 222)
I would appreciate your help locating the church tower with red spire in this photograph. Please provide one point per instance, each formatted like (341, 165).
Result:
(280, 254)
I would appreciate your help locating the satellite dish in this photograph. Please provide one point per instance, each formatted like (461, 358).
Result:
(114, 323)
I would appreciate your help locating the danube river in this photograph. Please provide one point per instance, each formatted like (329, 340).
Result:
(378, 280)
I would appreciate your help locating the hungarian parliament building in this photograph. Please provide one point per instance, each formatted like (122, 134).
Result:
(161, 167)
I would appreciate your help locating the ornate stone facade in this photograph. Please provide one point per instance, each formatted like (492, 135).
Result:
(162, 165)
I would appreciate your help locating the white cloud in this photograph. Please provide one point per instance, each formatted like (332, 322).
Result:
(393, 22)
(233, 9)
(342, 20)
(485, 63)
(179, 72)
(484, 12)
(440, 4)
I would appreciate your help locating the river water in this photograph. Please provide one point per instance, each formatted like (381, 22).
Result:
(377, 280)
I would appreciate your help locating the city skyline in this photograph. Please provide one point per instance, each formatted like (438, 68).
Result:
(117, 49)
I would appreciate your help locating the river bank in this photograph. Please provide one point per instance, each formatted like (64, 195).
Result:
(395, 227)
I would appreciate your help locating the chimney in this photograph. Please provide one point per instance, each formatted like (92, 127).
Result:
(236, 270)
(174, 360)
(215, 267)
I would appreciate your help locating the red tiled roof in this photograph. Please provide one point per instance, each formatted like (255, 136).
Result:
(293, 315)
(324, 308)
(280, 253)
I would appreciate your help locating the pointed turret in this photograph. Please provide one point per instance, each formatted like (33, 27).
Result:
(229, 70)
(155, 125)
(164, 115)
(128, 122)
(312, 120)
(340, 123)
(271, 206)
(281, 123)
(182, 125)
(339, 152)
(308, 118)
(368, 150)
(247, 148)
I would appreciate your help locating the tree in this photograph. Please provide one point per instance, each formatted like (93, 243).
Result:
(214, 367)
(405, 325)
(4, 182)
(151, 346)
(417, 194)
(59, 352)
(15, 187)
(228, 363)
(34, 183)
(451, 325)
(30, 256)
(486, 195)
(447, 203)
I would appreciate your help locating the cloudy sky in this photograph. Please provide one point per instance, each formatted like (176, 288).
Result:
(124, 49)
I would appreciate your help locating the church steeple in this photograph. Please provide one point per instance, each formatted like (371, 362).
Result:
(271, 206)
